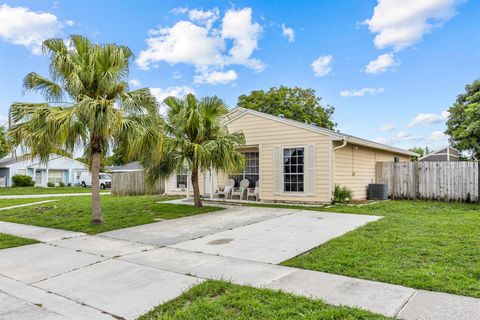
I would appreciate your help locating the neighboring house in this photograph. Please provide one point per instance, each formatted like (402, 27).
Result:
(132, 166)
(57, 169)
(446, 154)
(296, 162)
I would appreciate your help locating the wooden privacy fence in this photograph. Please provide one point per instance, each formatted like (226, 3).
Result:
(436, 180)
(133, 183)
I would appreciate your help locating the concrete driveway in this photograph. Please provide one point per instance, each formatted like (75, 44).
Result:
(124, 273)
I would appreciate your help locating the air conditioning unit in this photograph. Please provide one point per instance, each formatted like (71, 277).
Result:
(377, 191)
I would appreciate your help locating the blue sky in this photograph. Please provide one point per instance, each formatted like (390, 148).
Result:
(390, 68)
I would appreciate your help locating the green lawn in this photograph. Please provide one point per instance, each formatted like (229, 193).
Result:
(8, 241)
(120, 212)
(215, 300)
(422, 244)
(40, 190)
(13, 202)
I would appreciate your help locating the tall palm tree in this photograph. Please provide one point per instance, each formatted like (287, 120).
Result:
(195, 137)
(87, 106)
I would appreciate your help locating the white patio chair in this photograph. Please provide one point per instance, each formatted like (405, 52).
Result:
(254, 193)
(242, 190)
(227, 190)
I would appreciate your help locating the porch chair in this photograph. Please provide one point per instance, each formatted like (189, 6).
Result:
(254, 192)
(227, 190)
(241, 190)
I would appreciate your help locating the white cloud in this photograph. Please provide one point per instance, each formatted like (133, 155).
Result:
(387, 127)
(322, 66)
(21, 26)
(179, 10)
(205, 18)
(438, 136)
(216, 77)
(381, 64)
(237, 25)
(399, 24)
(179, 92)
(135, 83)
(289, 33)
(401, 137)
(429, 118)
(209, 49)
(361, 92)
(382, 140)
(176, 75)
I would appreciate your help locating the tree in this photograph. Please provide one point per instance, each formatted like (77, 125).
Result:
(87, 106)
(463, 124)
(194, 137)
(294, 103)
(5, 146)
(420, 151)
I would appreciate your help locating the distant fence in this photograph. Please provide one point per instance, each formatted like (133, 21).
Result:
(439, 180)
(133, 183)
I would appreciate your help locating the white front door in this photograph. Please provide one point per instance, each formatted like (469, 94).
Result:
(38, 178)
(208, 179)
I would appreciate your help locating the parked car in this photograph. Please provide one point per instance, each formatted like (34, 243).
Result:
(105, 180)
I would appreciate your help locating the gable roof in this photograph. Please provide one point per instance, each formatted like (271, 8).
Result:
(131, 166)
(8, 161)
(238, 112)
(447, 151)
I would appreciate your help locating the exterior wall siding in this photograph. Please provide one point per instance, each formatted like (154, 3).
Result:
(355, 167)
(266, 134)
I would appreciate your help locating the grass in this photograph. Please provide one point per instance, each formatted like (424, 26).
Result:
(215, 300)
(119, 212)
(421, 244)
(13, 202)
(8, 241)
(13, 191)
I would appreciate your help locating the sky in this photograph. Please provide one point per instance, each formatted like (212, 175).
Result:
(391, 68)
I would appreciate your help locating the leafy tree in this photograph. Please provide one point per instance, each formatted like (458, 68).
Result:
(194, 137)
(5, 146)
(293, 103)
(420, 151)
(463, 124)
(87, 106)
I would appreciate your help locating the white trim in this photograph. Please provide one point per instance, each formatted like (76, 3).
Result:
(282, 180)
(313, 128)
(331, 170)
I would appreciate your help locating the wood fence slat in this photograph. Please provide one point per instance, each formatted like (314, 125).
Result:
(133, 183)
(442, 180)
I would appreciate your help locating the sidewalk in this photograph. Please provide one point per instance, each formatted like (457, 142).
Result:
(51, 195)
(144, 269)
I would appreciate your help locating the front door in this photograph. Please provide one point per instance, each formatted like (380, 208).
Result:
(38, 177)
(208, 178)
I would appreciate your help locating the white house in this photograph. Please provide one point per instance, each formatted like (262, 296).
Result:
(57, 169)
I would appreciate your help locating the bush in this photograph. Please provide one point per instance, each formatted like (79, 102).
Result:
(341, 195)
(69, 184)
(50, 184)
(61, 184)
(21, 180)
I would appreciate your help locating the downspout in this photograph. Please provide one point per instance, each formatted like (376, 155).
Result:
(343, 145)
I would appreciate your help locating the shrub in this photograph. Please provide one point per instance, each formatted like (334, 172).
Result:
(341, 195)
(21, 180)
(61, 184)
(50, 184)
(69, 184)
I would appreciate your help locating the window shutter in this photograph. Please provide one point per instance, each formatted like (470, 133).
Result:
(277, 170)
(310, 170)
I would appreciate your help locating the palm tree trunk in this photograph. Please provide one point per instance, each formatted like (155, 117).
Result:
(196, 189)
(97, 217)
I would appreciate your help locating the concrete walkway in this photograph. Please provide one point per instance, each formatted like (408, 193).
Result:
(50, 195)
(122, 274)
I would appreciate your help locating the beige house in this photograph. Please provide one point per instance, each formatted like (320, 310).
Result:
(295, 162)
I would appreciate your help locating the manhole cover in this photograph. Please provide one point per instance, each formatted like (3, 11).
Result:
(220, 241)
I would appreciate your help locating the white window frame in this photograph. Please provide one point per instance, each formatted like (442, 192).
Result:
(294, 193)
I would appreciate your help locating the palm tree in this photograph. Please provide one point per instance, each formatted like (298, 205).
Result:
(195, 137)
(87, 106)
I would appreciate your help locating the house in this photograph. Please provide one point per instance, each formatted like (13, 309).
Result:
(293, 161)
(131, 166)
(445, 154)
(57, 169)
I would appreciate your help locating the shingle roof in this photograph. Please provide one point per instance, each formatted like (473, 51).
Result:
(13, 159)
(132, 166)
(239, 111)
